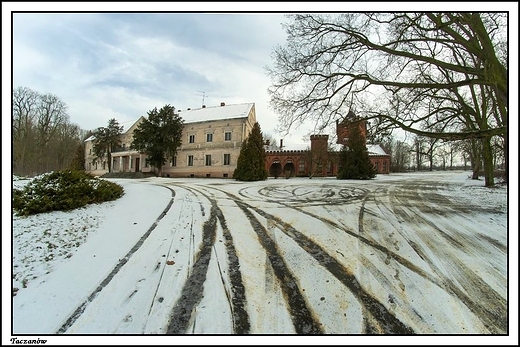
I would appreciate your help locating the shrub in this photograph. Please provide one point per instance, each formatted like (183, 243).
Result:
(63, 190)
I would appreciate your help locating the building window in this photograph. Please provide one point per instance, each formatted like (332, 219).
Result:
(225, 175)
(208, 159)
(227, 159)
(190, 160)
(131, 163)
(174, 161)
(209, 137)
(384, 166)
(227, 136)
(301, 166)
(192, 139)
(90, 151)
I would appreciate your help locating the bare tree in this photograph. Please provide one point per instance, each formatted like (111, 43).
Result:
(399, 151)
(269, 140)
(399, 69)
(25, 105)
(43, 138)
(51, 116)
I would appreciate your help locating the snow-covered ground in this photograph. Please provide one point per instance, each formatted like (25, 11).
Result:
(423, 253)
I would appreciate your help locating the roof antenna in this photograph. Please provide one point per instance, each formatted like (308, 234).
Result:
(203, 97)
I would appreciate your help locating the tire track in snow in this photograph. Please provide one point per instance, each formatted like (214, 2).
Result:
(389, 323)
(401, 260)
(385, 320)
(167, 255)
(193, 289)
(81, 308)
(494, 316)
(303, 318)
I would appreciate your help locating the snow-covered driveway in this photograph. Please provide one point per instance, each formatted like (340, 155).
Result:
(397, 255)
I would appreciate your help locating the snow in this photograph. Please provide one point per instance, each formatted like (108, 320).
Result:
(216, 113)
(120, 268)
(375, 150)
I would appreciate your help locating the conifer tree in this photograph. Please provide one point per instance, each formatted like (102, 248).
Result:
(78, 162)
(251, 160)
(354, 162)
(106, 140)
(159, 136)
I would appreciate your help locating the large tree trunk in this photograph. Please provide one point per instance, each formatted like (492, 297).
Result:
(418, 157)
(109, 159)
(475, 158)
(487, 156)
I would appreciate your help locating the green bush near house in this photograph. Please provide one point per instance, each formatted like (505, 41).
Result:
(62, 191)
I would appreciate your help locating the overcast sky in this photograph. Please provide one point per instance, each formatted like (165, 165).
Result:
(120, 65)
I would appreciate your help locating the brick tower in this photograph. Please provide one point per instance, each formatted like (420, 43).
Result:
(319, 155)
(342, 128)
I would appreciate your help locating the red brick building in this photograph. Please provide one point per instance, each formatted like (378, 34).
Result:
(320, 159)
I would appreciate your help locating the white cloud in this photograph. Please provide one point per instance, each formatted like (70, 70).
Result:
(107, 65)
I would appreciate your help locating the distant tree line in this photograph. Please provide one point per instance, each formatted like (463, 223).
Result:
(43, 138)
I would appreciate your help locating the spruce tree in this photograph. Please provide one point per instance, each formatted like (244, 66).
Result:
(354, 162)
(251, 160)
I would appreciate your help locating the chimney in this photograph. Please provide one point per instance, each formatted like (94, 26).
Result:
(222, 104)
(281, 143)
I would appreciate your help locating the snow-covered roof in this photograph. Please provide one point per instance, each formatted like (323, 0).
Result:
(375, 150)
(204, 114)
(216, 113)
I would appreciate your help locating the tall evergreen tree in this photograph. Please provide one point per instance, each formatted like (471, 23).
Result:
(251, 160)
(354, 162)
(159, 136)
(107, 139)
(78, 162)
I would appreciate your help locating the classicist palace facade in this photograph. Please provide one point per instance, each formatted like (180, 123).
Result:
(211, 142)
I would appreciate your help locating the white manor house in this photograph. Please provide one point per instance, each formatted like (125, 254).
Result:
(211, 141)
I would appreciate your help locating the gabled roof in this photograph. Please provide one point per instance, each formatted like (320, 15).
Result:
(216, 113)
(204, 114)
(375, 150)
